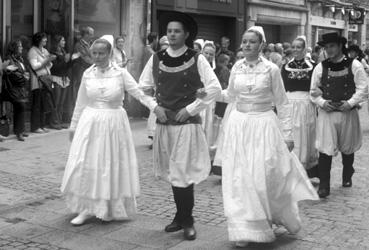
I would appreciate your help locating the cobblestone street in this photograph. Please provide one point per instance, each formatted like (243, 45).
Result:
(33, 213)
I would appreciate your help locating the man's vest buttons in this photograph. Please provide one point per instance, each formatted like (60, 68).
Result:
(159, 83)
(159, 94)
(185, 85)
(328, 85)
(159, 71)
(345, 85)
(185, 97)
(159, 103)
(185, 73)
(345, 93)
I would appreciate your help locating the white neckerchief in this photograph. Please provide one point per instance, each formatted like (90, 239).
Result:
(176, 53)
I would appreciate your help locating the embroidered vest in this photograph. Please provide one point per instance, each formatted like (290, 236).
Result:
(338, 80)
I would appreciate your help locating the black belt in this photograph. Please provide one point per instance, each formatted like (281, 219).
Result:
(171, 115)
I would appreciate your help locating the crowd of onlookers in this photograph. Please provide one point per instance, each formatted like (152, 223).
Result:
(47, 80)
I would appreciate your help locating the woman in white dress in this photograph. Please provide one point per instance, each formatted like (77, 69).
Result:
(101, 175)
(262, 180)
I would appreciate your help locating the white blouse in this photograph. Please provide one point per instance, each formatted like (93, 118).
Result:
(259, 86)
(105, 89)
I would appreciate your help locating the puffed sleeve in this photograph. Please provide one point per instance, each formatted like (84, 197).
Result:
(361, 84)
(229, 94)
(211, 85)
(146, 82)
(284, 108)
(131, 86)
(315, 92)
(81, 103)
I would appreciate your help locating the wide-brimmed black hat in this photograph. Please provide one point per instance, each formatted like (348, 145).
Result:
(332, 38)
(188, 22)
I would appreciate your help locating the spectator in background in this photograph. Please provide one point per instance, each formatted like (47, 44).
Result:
(271, 47)
(288, 56)
(239, 54)
(276, 58)
(163, 43)
(2, 66)
(224, 49)
(83, 58)
(60, 72)
(119, 55)
(279, 48)
(286, 45)
(315, 54)
(267, 52)
(42, 101)
(151, 47)
(17, 76)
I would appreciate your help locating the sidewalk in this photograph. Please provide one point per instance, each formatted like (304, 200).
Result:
(33, 213)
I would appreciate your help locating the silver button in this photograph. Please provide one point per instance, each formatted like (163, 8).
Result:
(185, 97)
(185, 73)
(159, 94)
(159, 83)
(185, 85)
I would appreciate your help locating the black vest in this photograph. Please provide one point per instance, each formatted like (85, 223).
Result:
(338, 80)
(177, 80)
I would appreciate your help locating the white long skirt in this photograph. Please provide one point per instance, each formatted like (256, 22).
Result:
(304, 128)
(181, 154)
(339, 132)
(262, 181)
(220, 137)
(101, 175)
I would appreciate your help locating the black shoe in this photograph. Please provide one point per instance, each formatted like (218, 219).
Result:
(25, 135)
(56, 127)
(189, 233)
(323, 192)
(347, 183)
(173, 227)
(20, 137)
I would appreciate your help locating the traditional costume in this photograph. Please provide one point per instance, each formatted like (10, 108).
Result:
(296, 76)
(332, 82)
(262, 180)
(101, 175)
(180, 149)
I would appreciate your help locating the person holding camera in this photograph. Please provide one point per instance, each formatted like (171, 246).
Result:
(338, 85)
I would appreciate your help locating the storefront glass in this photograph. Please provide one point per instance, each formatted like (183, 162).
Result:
(102, 15)
(21, 18)
(56, 18)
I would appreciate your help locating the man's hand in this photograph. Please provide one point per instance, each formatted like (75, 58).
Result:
(71, 135)
(328, 107)
(160, 114)
(182, 115)
(290, 145)
(345, 106)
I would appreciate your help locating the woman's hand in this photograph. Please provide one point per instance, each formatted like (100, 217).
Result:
(290, 145)
(71, 135)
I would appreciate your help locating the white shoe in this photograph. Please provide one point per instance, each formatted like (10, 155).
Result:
(241, 243)
(80, 219)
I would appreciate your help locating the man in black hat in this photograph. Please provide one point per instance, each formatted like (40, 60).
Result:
(338, 85)
(180, 149)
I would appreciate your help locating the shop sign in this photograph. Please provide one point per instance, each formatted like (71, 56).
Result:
(356, 16)
(353, 28)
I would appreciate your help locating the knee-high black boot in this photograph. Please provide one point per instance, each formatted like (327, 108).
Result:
(348, 169)
(184, 199)
(324, 170)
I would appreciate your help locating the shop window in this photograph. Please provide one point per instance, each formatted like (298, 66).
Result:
(56, 19)
(22, 18)
(102, 15)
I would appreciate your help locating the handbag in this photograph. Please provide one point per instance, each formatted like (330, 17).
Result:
(46, 82)
(4, 122)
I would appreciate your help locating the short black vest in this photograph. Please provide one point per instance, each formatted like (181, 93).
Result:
(338, 80)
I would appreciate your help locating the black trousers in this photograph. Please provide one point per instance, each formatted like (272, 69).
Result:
(325, 164)
(37, 110)
(19, 117)
(184, 199)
